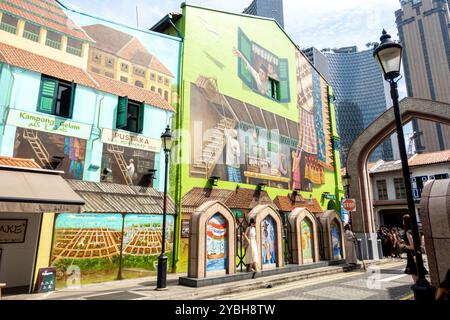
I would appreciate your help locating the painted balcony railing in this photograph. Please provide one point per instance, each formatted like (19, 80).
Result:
(53, 44)
(8, 28)
(74, 51)
(31, 36)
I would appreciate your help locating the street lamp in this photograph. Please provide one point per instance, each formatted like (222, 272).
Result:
(389, 56)
(161, 284)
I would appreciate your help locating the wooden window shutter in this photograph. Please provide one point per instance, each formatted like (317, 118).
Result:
(285, 93)
(141, 118)
(47, 95)
(122, 113)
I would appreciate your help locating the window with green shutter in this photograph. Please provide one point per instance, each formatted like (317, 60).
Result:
(284, 90)
(245, 47)
(56, 97)
(122, 113)
(130, 115)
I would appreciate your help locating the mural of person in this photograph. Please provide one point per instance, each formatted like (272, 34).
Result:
(131, 170)
(260, 76)
(233, 154)
(268, 241)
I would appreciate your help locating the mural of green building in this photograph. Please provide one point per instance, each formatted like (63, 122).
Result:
(253, 111)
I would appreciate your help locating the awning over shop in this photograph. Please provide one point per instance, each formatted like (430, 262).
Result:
(117, 198)
(36, 191)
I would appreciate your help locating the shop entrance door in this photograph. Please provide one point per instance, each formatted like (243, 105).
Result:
(19, 234)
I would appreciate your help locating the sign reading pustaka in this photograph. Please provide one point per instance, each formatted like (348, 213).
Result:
(136, 141)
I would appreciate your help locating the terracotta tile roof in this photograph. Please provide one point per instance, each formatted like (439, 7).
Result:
(287, 204)
(28, 60)
(50, 18)
(157, 65)
(116, 198)
(124, 46)
(19, 163)
(107, 39)
(247, 199)
(134, 93)
(429, 158)
(198, 196)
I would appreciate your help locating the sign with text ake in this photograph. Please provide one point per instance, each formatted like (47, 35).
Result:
(349, 205)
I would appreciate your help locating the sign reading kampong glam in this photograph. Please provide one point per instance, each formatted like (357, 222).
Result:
(125, 139)
(49, 124)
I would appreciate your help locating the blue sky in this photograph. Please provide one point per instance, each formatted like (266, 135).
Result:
(319, 23)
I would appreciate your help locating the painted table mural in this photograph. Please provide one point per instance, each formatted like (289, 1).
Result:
(336, 241)
(142, 241)
(268, 241)
(216, 243)
(307, 241)
(91, 242)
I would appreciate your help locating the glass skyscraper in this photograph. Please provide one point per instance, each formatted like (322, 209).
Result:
(361, 94)
(267, 8)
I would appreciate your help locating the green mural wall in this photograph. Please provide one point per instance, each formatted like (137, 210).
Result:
(250, 97)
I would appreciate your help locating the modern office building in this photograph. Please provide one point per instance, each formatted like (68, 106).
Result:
(267, 8)
(319, 61)
(361, 96)
(423, 27)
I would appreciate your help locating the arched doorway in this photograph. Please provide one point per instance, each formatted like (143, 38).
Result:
(216, 244)
(336, 240)
(363, 220)
(307, 235)
(268, 242)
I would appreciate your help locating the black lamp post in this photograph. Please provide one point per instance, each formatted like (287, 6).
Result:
(389, 56)
(166, 139)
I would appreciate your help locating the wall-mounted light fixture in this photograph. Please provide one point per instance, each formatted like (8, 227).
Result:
(214, 180)
(56, 162)
(261, 186)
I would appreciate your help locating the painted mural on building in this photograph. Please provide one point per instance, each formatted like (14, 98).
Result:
(336, 240)
(268, 241)
(261, 70)
(216, 243)
(92, 244)
(52, 151)
(307, 235)
(128, 166)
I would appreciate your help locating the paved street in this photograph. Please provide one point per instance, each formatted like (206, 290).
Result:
(387, 282)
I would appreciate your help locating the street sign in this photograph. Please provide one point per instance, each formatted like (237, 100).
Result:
(349, 205)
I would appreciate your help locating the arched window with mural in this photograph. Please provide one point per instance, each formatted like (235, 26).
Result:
(307, 236)
(336, 239)
(216, 244)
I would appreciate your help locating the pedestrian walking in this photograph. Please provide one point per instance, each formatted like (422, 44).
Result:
(251, 259)
(350, 246)
(408, 247)
(443, 292)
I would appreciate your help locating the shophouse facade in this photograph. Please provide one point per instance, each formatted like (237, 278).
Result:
(102, 133)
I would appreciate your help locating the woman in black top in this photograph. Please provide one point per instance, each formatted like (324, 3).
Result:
(408, 247)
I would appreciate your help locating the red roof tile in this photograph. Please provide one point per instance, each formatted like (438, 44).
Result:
(429, 158)
(44, 18)
(122, 89)
(27, 60)
(247, 199)
(287, 204)
(198, 196)
(18, 163)
(124, 46)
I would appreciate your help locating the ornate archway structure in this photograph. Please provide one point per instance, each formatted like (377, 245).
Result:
(197, 238)
(364, 145)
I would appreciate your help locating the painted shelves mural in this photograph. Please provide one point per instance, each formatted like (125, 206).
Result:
(52, 151)
(91, 244)
(216, 244)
